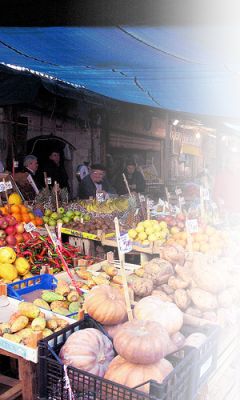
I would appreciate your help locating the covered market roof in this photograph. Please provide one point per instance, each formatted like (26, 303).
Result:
(187, 68)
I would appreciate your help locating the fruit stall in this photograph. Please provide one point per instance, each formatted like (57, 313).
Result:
(66, 317)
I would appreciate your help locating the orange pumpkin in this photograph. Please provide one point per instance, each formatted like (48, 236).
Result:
(131, 375)
(106, 305)
(141, 342)
(89, 350)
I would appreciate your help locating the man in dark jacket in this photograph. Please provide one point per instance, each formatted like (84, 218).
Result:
(134, 178)
(55, 170)
(95, 182)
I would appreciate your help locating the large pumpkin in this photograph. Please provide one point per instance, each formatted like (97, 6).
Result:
(106, 305)
(152, 308)
(131, 375)
(89, 350)
(141, 342)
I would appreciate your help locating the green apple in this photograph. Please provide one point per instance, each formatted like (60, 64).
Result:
(47, 213)
(86, 217)
(52, 222)
(69, 213)
(78, 213)
(45, 219)
(60, 210)
(54, 215)
(66, 220)
(76, 218)
(59, 220)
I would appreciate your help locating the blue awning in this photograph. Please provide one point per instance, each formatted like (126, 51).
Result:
(187, 69)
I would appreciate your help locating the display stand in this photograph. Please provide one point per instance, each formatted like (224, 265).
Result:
(26, 385)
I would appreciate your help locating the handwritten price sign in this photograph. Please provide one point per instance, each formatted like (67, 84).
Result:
(5, 186)
(29, 227)
(125, 245)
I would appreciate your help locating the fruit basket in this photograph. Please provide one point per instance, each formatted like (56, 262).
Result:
(177, 385)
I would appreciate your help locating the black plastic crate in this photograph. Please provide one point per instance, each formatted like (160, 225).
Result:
(207, 354)
(178, 385)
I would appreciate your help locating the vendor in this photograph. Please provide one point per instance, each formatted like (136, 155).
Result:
(28, 179)
(55, 170)
(95, 182)
(134, 178)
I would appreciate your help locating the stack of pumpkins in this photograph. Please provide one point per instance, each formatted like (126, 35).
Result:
(141, 345)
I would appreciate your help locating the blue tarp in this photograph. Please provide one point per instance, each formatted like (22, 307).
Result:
(186, 69)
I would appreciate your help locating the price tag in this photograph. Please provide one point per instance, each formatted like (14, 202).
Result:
(141, 198)
(29, 227)
(55, 239)
(136, 212)
(181, 200)
(100, 197)
(15, 164)
(8, 185)
(2, 186)
(125, 244)
(205, 194)
(192, 225)
(178, 191)
(160, 202)
(49, 181)
(150, 203)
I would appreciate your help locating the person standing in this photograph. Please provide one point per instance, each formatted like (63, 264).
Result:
(28, 180)
(134, 178)
(56, 170)
(95, 182)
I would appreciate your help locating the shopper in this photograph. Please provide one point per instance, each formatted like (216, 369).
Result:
(55, 170)
(95, 182)
(134, 178)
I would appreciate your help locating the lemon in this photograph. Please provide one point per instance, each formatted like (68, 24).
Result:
(22, 265)
(15, 199)
(7, 255)
(8, 272)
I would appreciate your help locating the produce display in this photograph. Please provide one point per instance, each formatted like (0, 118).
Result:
(64, 216)
(102, 224)
(13, 267)
(149, 231)
(27, 321)
(63, 300)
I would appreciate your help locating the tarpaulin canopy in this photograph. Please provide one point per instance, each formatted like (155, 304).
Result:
(181, 68)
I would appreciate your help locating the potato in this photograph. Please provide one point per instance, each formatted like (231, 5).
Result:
(141, 286)
(162, 295)
(181, 299)
(110, 270)
(202, 299)
(177, 283)
(195, 312)
(184, 273)
(166, 288)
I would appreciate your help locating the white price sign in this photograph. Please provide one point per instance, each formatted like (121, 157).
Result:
(205, 194)
(49, 181)
(16, 163)
(2, 186)
(192, 225)
(178, 191)
(5, 186)
(55, 239)
(160, 202)
(125, 244)
(100, 197)
(136, 212)
(8, 185)
(181, 201)
(142, 198)
(29, 227)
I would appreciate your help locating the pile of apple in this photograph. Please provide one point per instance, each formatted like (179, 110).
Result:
(11, 231)
(65, 217)
(175, 224)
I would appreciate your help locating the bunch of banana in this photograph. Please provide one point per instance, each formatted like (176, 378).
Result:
(107, 207)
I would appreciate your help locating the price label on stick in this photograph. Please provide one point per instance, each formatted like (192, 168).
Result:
(150, 203)
(15, 164)
(125, 245)
(29, 227)
(8, 185)
(141, 198)
(181, 200)
(192, 225)
(49, 181)
(160, 202)
(178, 191)
(2, 186)
(55, 239)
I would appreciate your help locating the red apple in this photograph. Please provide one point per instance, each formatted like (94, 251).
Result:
(181, 217)
(2, 234)
(11, 240)
(10, 230)
(2, 242)
(181, 225)
(19, 227)
(10, 220)
(3, 223)
(19, 237)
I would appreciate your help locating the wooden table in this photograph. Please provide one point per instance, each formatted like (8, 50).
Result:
(26, 385)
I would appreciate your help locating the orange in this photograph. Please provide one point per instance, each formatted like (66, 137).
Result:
(38, 221)
(15, 209)
(3, 210)
(17, 216)
(23, 208)
(25, 217)
(31, 216)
